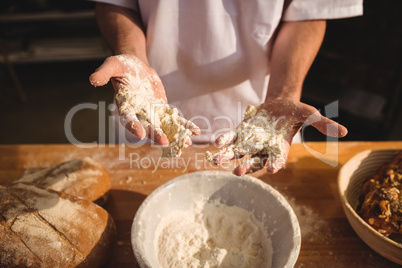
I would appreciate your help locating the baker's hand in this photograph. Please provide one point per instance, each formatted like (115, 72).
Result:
(139, 92)
(266, 134)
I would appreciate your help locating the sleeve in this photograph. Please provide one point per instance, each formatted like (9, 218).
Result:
(297, 10)
(131, 4)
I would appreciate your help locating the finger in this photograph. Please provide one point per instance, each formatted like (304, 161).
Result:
(249, 165)
(226, 139)
(189, 125)
(274, 163)
(188, 142)
(132, 124)
(155, 134)
(330, 127)
(325, 125)
(223, 154)
(111, 67)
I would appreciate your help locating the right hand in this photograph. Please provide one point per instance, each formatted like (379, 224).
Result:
(130, 75)
(267, 133)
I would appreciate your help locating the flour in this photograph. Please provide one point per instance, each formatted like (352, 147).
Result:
(137, 97)
(312, 225)
(67, 175)
(258, 134)
(212, 235)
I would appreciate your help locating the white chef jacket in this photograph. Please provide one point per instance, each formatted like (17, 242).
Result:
(212, 55)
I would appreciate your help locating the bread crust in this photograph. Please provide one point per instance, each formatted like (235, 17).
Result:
(45, 228)
(84, 177)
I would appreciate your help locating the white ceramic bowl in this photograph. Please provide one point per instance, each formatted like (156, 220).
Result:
(246, 192)
(350, 181)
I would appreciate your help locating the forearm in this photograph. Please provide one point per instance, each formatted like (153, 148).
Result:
(294, 49)
(122, 30)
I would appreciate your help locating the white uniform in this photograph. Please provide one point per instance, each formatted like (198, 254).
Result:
(212, 55)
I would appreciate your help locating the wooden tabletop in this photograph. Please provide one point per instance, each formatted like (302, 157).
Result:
(309, 183)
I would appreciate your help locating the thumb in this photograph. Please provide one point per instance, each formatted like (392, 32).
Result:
(326, 126)
(111, 67)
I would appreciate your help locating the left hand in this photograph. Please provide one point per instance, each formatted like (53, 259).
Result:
(266, 134)
(139, 92)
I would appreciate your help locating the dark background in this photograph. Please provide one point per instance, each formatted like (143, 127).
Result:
(52, 47)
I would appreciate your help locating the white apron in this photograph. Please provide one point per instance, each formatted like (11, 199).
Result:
(212, 55)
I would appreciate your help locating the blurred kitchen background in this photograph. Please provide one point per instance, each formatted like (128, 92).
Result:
(50, 47)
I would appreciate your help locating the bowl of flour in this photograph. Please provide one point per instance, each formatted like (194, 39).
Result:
(215, 219)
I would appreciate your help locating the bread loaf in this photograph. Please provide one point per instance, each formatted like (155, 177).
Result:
(85, 178)
(45, 228)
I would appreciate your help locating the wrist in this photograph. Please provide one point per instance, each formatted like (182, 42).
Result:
(283, 92)
(131, 53)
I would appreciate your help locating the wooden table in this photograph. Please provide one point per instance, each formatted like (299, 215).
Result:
(308, 183)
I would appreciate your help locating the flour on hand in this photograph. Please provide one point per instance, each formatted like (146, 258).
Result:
(136, 98)
(258, 134)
